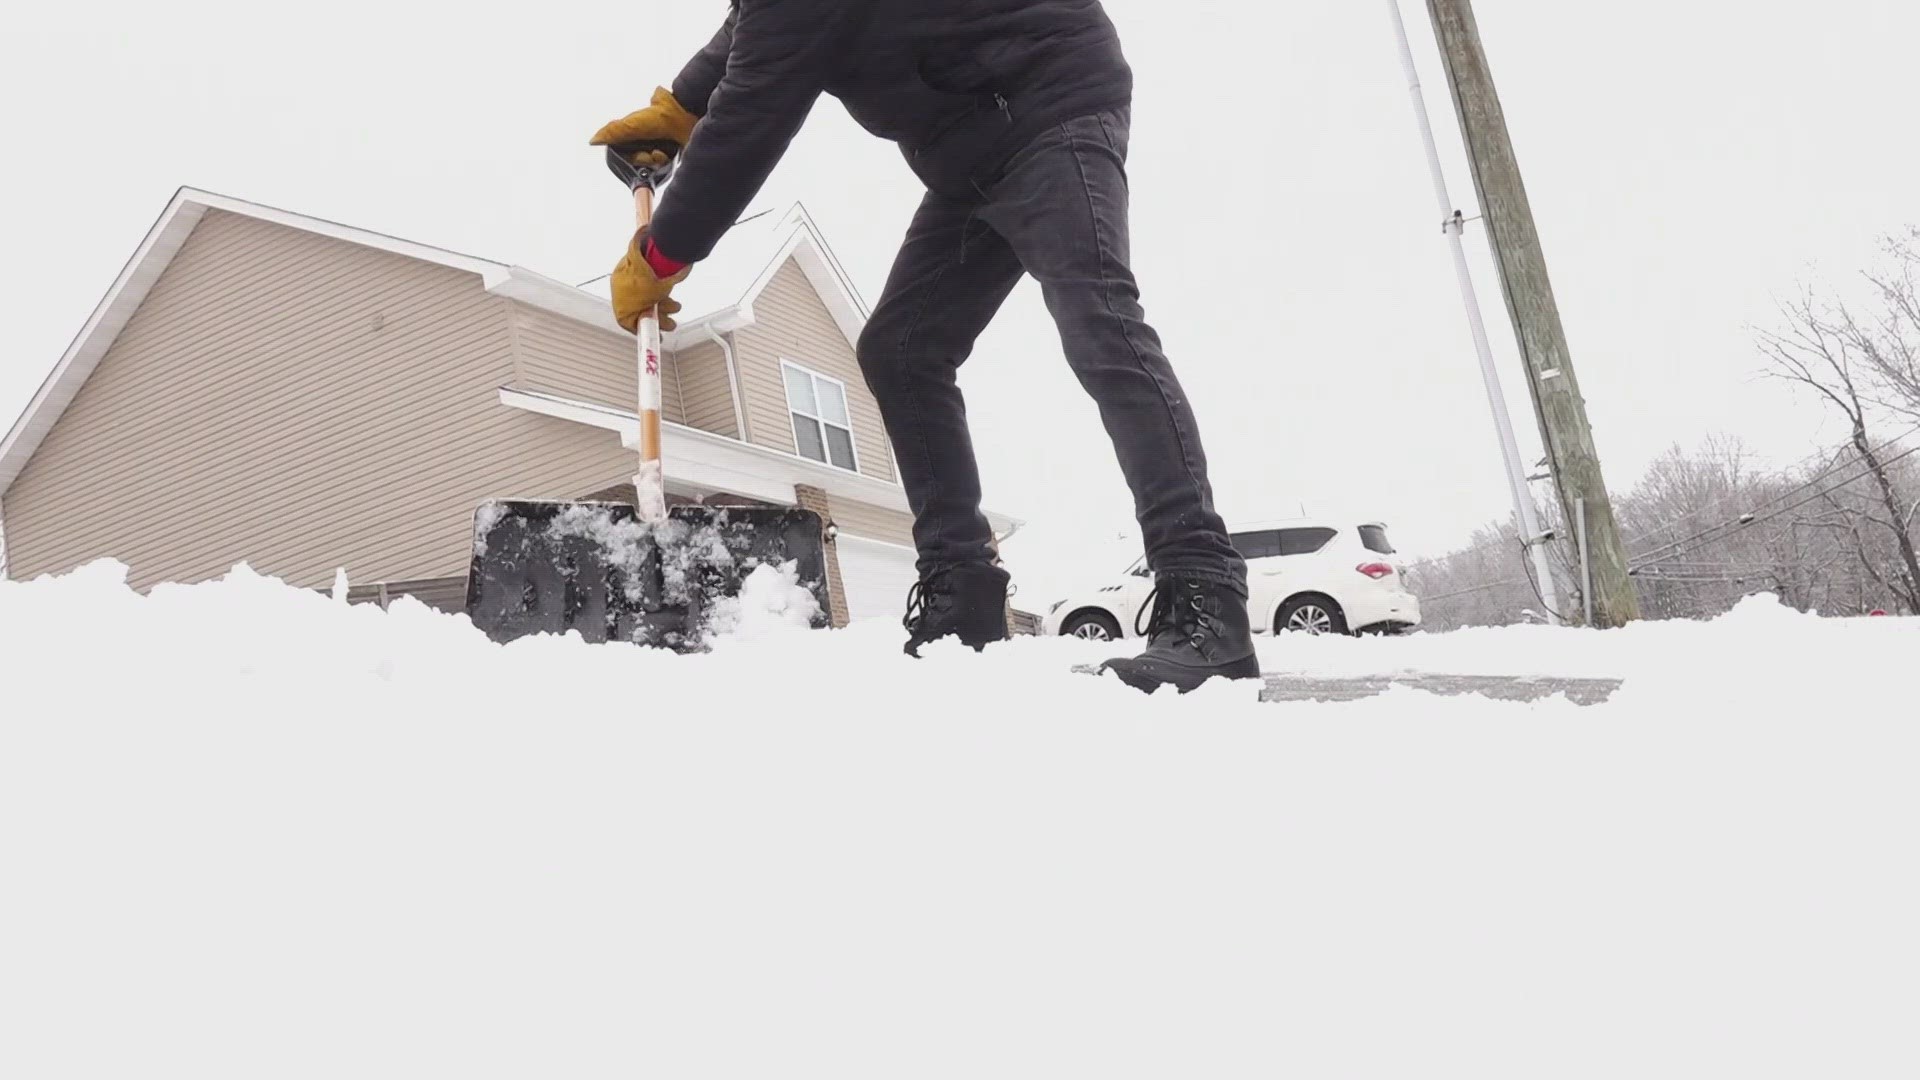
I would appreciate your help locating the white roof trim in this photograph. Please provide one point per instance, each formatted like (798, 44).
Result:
(800, 240)
(716, 462)
(540, 291)
(491, 273)
(709, 462)
(808, 248)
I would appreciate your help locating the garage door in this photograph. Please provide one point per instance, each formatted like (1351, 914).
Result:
(876, 577)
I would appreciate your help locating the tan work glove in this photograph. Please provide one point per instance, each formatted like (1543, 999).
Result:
(664, 120)
(636, 288)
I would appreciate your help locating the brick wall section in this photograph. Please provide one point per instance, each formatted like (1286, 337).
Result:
(808, 497)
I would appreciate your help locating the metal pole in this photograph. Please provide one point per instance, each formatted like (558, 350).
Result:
(1455, 226)
(1586, 566)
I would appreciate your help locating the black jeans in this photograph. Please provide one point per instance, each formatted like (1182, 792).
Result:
(1058, 212)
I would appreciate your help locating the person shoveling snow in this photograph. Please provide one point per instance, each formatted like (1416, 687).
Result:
(1015, 116)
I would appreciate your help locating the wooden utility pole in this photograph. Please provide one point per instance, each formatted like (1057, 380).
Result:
(1561, 411)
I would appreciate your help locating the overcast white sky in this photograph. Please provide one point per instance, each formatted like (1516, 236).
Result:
(1688, 161)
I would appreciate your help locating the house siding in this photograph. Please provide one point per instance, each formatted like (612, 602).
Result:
(554, 355)
(568, 359)
(792, 323)
(301, 404)
(706, 393)
(872, 522)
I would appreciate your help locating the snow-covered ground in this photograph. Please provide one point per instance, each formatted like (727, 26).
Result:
(247, 831)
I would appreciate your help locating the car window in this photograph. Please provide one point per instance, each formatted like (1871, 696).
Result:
(1257, 545)
(1375, 538)
(1304, 541)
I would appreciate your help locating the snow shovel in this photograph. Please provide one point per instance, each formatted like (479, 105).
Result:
(646, 574)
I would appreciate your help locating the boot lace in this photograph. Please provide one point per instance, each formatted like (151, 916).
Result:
(916, 607)
(1175, 613)
(921, 599)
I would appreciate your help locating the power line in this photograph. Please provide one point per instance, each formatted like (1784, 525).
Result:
(1751, 518)
(1779, 474)
(1557, 617)
(1711, 567)
(1663, 567)
(1471, 589)
(1657, 573)
(1779, 495)
(1754, 519)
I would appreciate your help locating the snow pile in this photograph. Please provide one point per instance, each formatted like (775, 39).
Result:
(251, 831)
(771, 601)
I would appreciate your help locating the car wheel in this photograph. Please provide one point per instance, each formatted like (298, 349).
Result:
(1310, 615)
(1091, 626)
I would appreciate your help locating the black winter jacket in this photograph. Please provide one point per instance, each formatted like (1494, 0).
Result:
(960, 85)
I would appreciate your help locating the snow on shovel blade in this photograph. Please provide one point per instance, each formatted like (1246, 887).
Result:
(597, 569)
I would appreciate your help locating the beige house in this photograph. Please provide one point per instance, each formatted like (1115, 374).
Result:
(303, 396)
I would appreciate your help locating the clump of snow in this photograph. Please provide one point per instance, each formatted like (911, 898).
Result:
(1763, 608)
(650, 491)
(624, 537)
(485, 518)
(625, 541)
(771, 601)
(248, 831)
(689, 553)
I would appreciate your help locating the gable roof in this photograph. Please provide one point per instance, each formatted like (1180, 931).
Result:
(719, 294)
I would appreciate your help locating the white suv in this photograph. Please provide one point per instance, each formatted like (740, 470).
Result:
(1306, 574)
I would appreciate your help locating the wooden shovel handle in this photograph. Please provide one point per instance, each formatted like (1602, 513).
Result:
(649, 333)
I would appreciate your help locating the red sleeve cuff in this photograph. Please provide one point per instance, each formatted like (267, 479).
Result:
(663, 267)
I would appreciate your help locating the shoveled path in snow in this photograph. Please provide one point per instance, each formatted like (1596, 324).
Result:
(246, 831)
(1282, 687)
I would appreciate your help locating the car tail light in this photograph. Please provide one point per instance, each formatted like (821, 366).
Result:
(1375, 570)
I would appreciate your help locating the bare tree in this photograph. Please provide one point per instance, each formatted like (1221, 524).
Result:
(1890, 341)
(1486, 583)
(1830, 352)
(1705, 528)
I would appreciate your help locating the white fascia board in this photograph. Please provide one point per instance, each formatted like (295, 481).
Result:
(491, 273)
(539, 291)
(717, 462)
(690, 333)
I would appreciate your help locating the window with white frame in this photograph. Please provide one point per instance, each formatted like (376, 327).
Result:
(822, 429)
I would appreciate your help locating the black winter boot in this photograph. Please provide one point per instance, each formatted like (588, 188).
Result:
(1198, 631)
(968, 600)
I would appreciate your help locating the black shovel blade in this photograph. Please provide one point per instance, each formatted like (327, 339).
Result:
(596, 568)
